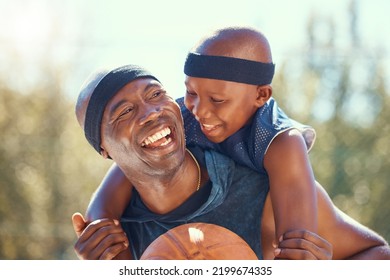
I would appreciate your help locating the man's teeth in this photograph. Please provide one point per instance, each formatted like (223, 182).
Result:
(157, 136)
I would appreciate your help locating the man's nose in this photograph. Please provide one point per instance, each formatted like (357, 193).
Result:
(149, 113)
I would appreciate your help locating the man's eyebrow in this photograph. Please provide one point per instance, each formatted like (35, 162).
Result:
(151, 85)
(120, 103)
(116, 106)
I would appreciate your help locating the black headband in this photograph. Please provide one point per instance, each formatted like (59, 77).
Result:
(229, 69)
(104, 91)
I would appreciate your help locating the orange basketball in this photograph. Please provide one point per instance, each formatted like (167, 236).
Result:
(199, 241)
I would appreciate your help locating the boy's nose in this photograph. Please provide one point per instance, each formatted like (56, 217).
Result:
(201, 110)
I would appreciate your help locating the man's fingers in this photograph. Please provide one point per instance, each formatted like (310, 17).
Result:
(97, 237)
(309, 236)
(99, 229)
(294, 254)
(112, 251)
(304, 245)
(301, 249)
(79, 223)
(305, 234)
(108, 248)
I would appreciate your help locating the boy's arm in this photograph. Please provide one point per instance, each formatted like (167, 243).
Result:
(109, 201)
(339, 236)
(350, 239)
(292, 184)
(300, 203)
(111, 197)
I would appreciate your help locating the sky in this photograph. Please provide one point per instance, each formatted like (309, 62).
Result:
(89, 34)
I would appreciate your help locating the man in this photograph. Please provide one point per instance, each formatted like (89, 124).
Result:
(127, 116)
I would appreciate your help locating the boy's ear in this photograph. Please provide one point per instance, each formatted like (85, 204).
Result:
(264, 93)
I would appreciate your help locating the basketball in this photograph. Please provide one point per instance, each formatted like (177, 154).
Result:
(199, 241)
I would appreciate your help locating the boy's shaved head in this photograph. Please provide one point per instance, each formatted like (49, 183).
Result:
(239, 42)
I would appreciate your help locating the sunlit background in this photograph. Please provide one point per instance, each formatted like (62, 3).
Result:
(332, 71)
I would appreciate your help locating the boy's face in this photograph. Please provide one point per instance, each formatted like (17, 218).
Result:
(142, 129)
(221, 107)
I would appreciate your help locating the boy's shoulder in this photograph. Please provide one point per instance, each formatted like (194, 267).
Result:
(180, 101)
(271, 120)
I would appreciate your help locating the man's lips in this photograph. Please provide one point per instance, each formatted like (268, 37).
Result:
(158, 139)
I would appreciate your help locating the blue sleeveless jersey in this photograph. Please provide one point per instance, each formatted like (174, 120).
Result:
(248, 145)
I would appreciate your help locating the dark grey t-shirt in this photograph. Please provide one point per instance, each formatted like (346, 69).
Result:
(234, 198)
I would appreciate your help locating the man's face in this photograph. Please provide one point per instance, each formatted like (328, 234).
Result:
(142, 129)
(221, 107)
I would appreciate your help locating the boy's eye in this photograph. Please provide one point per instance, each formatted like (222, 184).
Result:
(190, 93)
(217, 100)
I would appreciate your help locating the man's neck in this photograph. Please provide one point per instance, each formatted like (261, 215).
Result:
(162, 194)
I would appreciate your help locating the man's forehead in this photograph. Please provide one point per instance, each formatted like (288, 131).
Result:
(141, 86)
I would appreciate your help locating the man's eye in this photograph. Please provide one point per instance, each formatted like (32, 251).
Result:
(128, 110)
(157, 94)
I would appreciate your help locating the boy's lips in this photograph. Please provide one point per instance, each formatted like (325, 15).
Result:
(158, 139)
(209, 127)
(212, 132)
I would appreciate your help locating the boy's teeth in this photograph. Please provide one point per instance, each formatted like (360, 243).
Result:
(208, 126)
(157, 136)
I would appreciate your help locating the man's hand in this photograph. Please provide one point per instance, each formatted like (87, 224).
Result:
(303, 245)
(102, 239)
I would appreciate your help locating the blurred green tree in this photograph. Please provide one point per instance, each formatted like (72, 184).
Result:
(342, 93)
(47, 170)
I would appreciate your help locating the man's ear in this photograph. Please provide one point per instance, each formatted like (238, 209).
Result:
(104, 153)
(264, 93)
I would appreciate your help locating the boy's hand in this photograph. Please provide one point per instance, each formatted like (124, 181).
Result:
(303, 245)
(102, 239)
